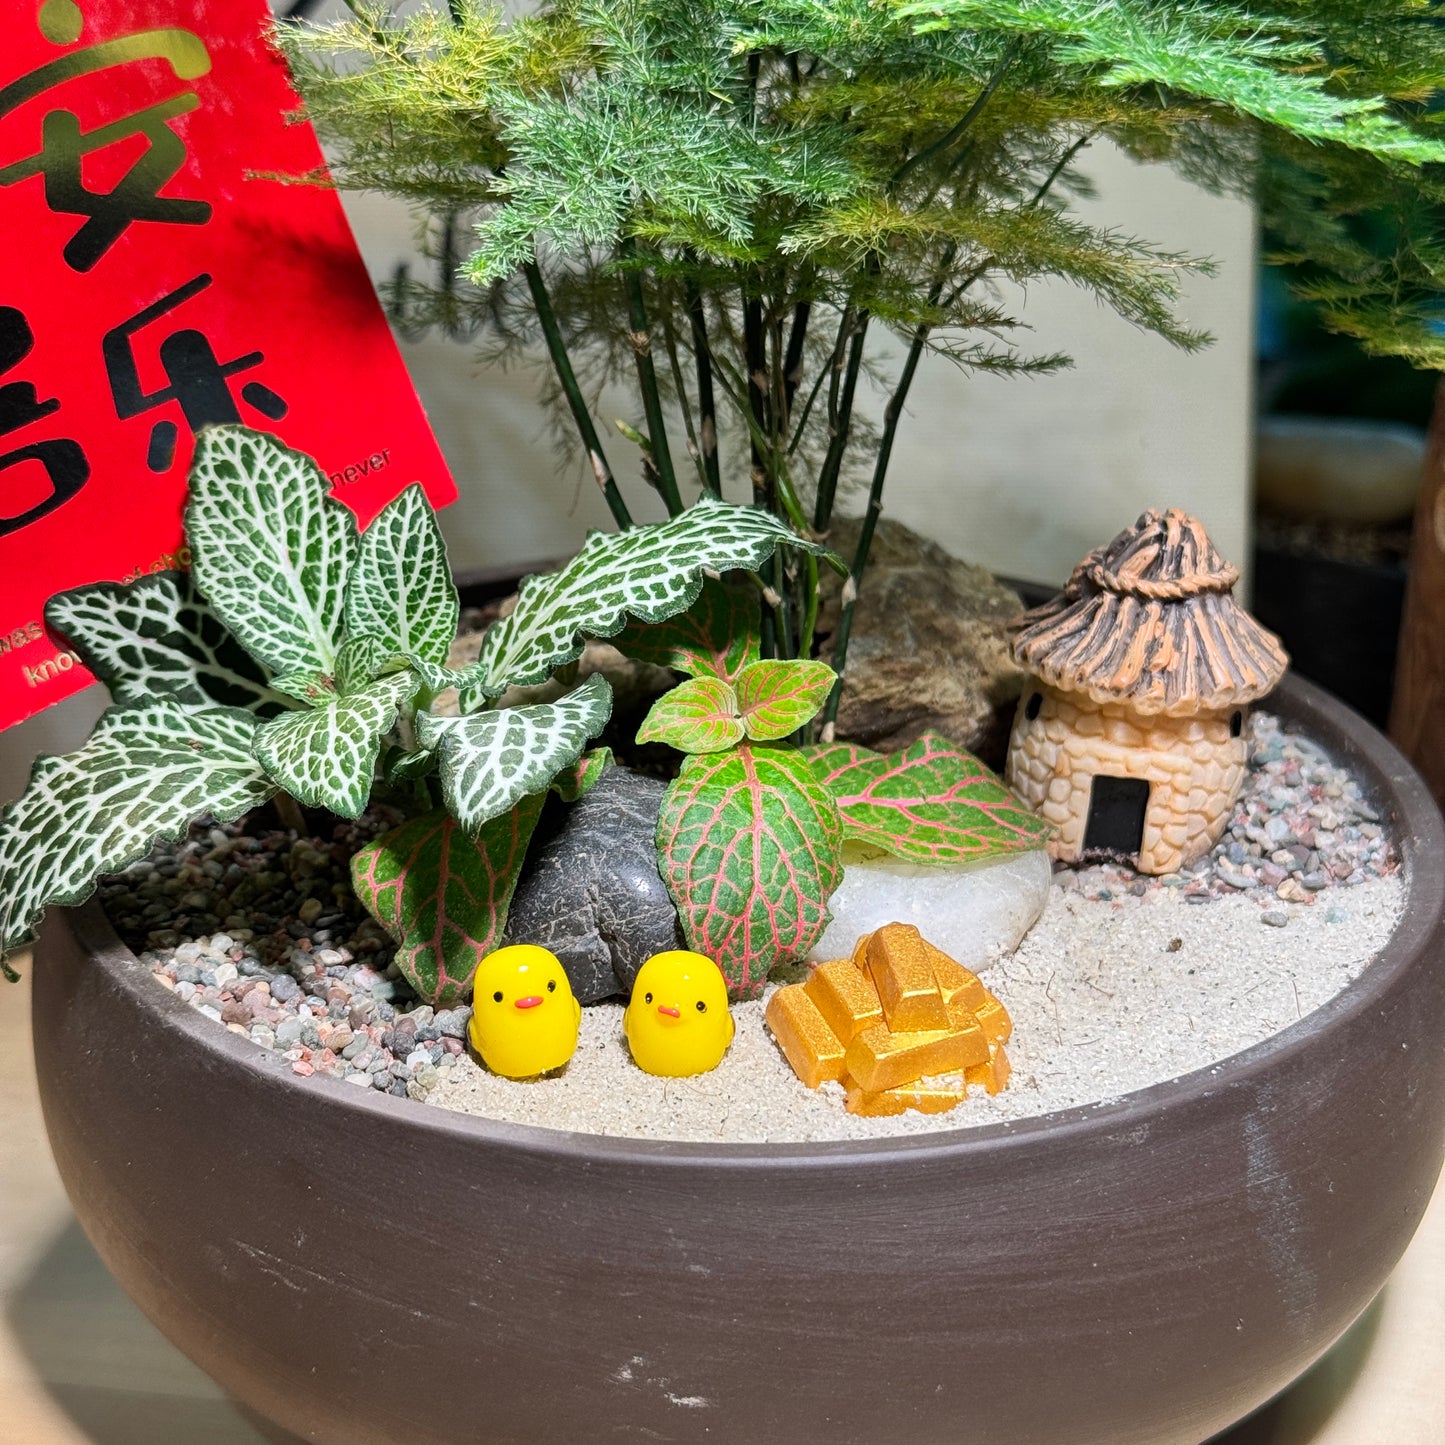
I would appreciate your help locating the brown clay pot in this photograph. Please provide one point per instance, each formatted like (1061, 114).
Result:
(361, 1268)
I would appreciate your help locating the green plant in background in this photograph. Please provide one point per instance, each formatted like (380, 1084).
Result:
(303, 660)
(727, 201)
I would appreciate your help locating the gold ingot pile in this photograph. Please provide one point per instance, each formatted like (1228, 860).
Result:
(898, 1013)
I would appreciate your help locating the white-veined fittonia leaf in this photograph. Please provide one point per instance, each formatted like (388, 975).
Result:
(490, 760)
(158, 637)
(650, 573)
(401, 590)
(361, 659)
(270, 549)
(306, 685)
(149, 770)
(326, 757)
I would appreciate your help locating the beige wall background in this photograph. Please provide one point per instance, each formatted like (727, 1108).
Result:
(1024, 475)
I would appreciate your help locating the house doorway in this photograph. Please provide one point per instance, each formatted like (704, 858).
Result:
(1117, 808)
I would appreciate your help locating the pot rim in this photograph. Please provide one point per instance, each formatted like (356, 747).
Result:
(1386, 774)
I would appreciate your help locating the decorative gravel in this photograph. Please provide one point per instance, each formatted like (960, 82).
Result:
(1123, 983)
(263, 934)
(1300, 828)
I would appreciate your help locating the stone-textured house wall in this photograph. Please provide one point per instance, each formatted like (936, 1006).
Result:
(1194, 765)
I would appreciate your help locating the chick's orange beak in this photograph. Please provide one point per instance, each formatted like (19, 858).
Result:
(669, 1010)
(531, 1001)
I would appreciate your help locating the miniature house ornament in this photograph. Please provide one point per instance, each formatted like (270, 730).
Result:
(1129, 737)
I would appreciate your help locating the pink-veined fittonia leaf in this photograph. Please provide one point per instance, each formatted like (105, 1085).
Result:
(697, 716)
(931, 803)
(777, 698)
(716, 637)
(444, 894)
(571, 783)
(751, 849)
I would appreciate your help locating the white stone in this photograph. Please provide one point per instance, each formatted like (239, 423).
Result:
(972, 913)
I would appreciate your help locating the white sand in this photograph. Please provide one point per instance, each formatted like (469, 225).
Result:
(1102, 1005)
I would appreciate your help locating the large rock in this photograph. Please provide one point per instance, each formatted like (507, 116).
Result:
(973, 914)
(591, 891)
(928, 652)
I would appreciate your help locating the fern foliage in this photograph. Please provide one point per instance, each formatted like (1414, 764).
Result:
(731, 199)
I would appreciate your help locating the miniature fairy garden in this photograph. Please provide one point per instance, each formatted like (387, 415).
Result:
(728, 917)
(769, 940)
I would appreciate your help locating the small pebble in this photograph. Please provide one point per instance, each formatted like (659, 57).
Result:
(1275, 918)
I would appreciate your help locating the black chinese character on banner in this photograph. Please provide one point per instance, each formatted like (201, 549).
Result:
(199, 380)
(61, 460)
(64, 146)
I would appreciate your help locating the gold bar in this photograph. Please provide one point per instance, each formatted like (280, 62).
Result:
(957, 984)
(879, 1059)
(860, 952)
(994, 1073)
(845, 998)
(898, 963)
(808, 1044)
(994, 1020)
(936, 1098)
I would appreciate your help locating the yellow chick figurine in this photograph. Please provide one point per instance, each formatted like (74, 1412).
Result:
(677, 1021)
(525, 1017)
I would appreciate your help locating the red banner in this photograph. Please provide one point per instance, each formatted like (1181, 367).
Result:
(156, 281)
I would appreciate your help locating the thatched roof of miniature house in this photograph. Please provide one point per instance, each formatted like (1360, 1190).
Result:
(1150, 621)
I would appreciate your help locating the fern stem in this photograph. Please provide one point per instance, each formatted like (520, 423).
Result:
(755, 374)
(694, 447)
(706, 401)
(288, 810)
(793, 361)
(641, 339)
(576, 403)
(838, 443)
(892, 415)
(959, 129)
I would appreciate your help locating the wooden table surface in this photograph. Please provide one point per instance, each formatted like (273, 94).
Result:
(80, 1365)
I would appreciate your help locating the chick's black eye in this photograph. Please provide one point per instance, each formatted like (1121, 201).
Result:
(701, 1007)
(648, 999)
(551, 985)
(498, 995)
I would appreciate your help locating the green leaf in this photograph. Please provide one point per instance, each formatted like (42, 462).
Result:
(716, 637)
(158, 637)
(649, 572)
(931, 803)
(578, 780)
(271, 550)
(776, 698)
(326, 758)
(491, 760)
(363, 659)
(401, 590)
(697, 716)
(1224, 53)
(750, 845)
(306, 685)
(443, 895)
(149, 770)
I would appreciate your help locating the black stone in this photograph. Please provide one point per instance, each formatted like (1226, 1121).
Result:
(591, 891)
